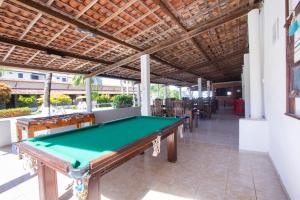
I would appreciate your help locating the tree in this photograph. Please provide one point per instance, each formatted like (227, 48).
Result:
(5, 93)
(47, 91)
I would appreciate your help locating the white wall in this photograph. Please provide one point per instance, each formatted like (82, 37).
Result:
(254, 135)
(113, 114)
(283, 130)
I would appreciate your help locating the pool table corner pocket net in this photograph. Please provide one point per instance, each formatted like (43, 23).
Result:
(88, 153)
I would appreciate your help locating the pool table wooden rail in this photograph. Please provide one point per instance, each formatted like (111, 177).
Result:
(110, 161)
(48, 164)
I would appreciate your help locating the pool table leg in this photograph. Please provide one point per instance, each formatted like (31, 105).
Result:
(172, 146)
(94, 192)
(47, 182)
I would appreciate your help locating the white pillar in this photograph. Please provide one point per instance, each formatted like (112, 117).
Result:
(158, 90)
(166, 92)
(133, 94)
(180, 94)
(199, 87)
(256, 102)
(139, 95)
(127, 87)
(190, 93)
(88, 94)
(246, 84)
(122, 89)
(208, 88)
(145, 81)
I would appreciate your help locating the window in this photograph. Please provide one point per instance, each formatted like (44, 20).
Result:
(221, 92)
(34, 77)
(292, 61)
(20, 75)
(64, 79)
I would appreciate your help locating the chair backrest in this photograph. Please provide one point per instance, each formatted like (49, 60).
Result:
(178, 108)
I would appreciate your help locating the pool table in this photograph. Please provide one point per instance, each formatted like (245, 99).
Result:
(85, 154)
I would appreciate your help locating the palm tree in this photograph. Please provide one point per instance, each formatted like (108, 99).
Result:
(47, 91)
(78, 80)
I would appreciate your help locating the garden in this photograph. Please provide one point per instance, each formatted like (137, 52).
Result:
(60, 103)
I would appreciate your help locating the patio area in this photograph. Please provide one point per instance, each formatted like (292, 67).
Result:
(193, 45)
(209, 167)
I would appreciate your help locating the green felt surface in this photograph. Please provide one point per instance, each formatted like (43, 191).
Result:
(80, 146)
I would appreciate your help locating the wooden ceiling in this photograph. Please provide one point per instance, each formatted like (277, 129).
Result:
(187, 39)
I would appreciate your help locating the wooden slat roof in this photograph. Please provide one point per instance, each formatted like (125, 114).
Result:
(186, 38)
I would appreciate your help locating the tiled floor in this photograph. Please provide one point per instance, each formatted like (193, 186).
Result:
(209, 167)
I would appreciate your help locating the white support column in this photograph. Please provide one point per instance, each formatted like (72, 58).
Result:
(145, 81)
(88, 94)
(139, 95)
(127, 87)
(133, 94)
(246, 84)
(180, 93)
(199, 87)
(190, 93)
(166, 92)
(256, 102)
(122, 89)
(208, 88)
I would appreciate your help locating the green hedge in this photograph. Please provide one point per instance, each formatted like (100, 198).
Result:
(27, 101)
(103, 105)
(14, 112)
(122, 101)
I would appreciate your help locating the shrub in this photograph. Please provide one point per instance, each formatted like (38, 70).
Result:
(27, 101)
(14, 112)
(58, 99)
(95, 96)
(73, 107)
(122, 101)
(5, 93)
(104, 98)
(103, 105)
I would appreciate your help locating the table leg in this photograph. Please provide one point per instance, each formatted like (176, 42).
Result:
(172, 146)
(47, 183)
(94, 192)
(19, 133)
(30, 133)
(197, 118)
(191, 121)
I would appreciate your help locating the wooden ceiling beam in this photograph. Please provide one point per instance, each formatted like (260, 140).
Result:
(175, 20)
(222, 59)
(28, 28)
(73, 20)
(50, 50)
(64, 53)
(42, 68)
(238, 12)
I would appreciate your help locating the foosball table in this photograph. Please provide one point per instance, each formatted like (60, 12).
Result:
(31, 125)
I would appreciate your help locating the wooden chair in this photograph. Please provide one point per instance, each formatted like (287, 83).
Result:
(180, 111)
(169, 106)
(157, 108)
